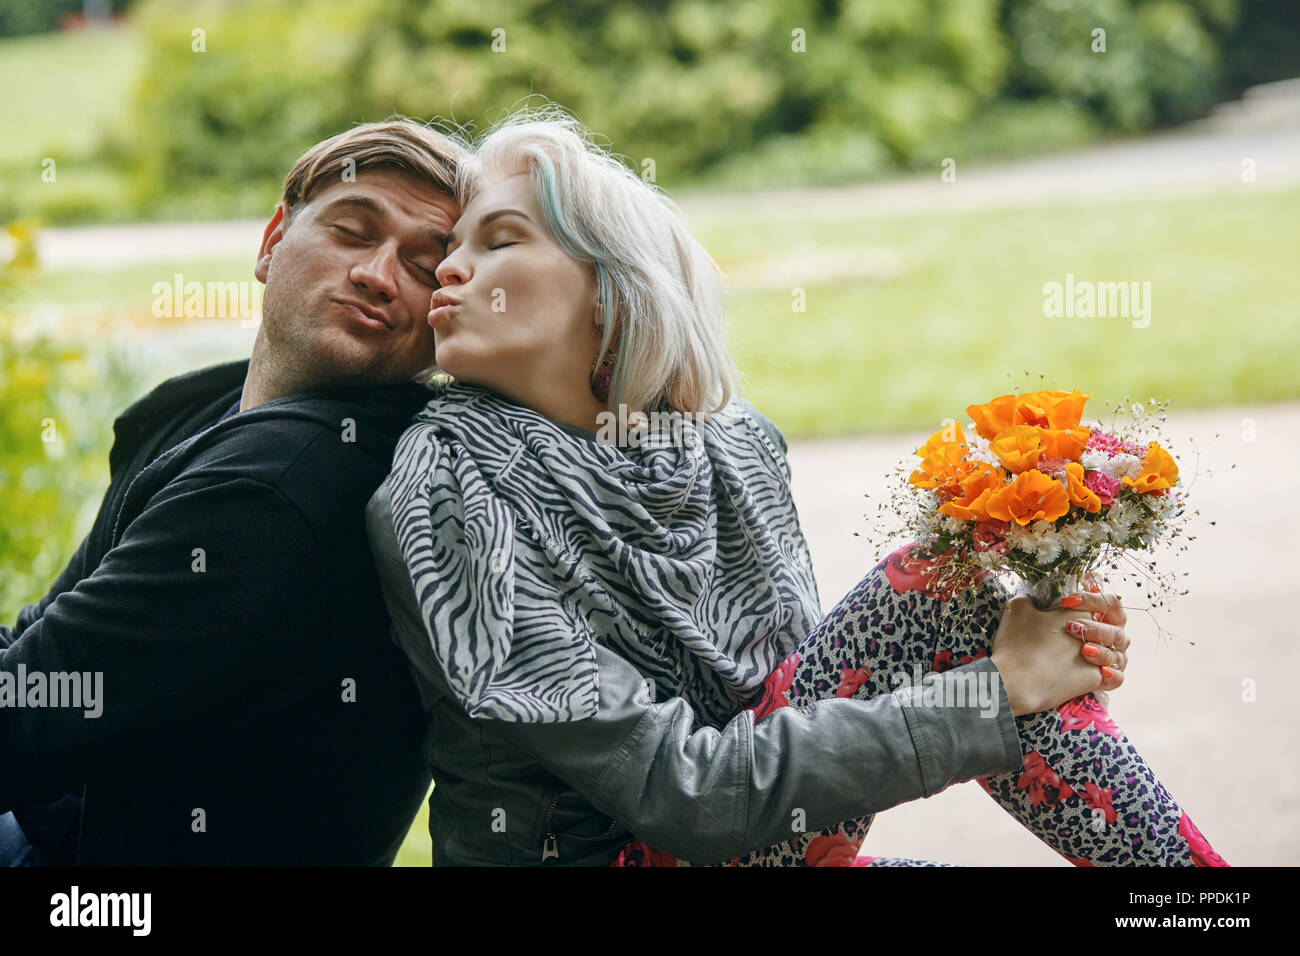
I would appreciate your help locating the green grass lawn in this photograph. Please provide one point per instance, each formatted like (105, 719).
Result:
(965, 307)
(84, 74)
(66, 93)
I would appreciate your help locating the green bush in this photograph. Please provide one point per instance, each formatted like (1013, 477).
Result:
(54, 440)
(749, 93)
(686, 83)
(1160, 64)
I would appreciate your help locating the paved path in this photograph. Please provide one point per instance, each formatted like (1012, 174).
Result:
(1232, 765)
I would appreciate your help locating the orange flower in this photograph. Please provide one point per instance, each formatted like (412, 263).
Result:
(1080, 494)
(1018, 448)
(975, 491)
(1046, 409)
(1033, 496)
(1063, 409)
(1158, 471)
(995, 417)
(943, 459)
(1066, 443)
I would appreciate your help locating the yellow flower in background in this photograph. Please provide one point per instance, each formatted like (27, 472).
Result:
(1018, 448)
(1033, 496)
(1159, 471)
(1064, 442)
(976, 488)
(1081, 494)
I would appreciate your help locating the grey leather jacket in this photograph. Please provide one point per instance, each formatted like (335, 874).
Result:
(575, 793)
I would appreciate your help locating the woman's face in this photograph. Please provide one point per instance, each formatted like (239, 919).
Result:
(515, 313)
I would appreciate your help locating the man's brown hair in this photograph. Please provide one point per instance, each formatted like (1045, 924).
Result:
(398, 143)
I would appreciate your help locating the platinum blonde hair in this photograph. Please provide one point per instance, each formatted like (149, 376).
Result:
(661, 292)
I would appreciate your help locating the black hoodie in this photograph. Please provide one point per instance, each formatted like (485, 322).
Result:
(254, 707)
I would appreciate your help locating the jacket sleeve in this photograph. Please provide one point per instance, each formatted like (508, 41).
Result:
(708, 795)
(67, 579)
(167, 634)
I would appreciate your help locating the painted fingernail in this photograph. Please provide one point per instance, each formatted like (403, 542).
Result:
(1074, 627)
(1091, 650)
(1107, 673)
(1074, 600)
(1094, 588)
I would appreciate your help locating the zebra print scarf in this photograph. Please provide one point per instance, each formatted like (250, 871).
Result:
(527, 545)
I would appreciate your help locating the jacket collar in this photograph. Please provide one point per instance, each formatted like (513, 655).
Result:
(205, 384)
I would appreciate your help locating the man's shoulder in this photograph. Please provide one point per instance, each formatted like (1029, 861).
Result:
(190, 388)
(321, 451)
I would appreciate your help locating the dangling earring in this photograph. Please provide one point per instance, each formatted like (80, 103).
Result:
(601, 377)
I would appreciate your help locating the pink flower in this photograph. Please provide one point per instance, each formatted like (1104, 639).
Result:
(1099, 440)
(991, 535)
(851, 680)
(834, 850)
(1085, 711)
(775, 687)
(1053, 466)
(1037, 776)
(1103, 484)
(907, 573)
(1202, 853)
(1099, 799)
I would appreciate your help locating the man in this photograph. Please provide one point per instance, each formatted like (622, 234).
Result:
(254, 709)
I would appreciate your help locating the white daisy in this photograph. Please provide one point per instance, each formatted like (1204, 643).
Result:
(1094, 460)
(1123, 466)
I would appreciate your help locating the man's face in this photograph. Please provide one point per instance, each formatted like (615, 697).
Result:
(348, 281)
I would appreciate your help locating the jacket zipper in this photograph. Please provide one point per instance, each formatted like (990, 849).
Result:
(550, 847)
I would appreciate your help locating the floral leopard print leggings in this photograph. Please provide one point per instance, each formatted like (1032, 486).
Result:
(1082, 788)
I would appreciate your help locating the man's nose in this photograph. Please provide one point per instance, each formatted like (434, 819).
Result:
(377, 272)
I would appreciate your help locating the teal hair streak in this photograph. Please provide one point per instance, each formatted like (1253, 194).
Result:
(552, 212)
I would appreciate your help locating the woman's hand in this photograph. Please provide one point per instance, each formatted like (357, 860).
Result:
(1102, 641)
(1038, 663)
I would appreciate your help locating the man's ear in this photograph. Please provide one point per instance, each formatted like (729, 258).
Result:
(271, 237)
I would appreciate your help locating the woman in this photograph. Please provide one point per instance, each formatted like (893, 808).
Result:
(613, 621)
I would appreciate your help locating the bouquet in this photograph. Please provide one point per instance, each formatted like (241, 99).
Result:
(1035, 492)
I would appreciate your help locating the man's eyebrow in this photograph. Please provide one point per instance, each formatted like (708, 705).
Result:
(494, 214)
(430, 234)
